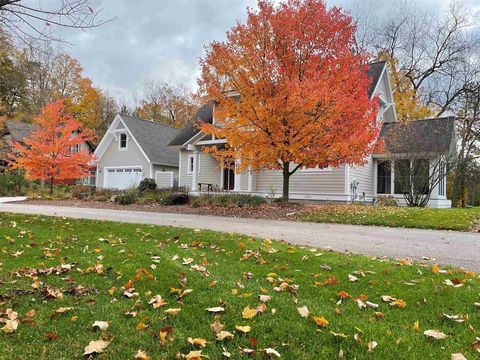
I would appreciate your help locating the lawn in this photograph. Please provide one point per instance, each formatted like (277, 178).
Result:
(99, 264)
(422, 218)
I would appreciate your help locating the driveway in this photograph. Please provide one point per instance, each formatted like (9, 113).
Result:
(445, 247)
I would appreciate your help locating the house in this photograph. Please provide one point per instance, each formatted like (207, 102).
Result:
(199, 171)
(16, 131)
(133, 149)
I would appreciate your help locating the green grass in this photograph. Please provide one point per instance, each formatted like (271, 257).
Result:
(422, 218)
(123, 249)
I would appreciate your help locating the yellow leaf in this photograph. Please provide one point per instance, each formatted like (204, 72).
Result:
(435, 268)
(197, 342)
(142, 355)
(222, 335)
(245, 329)
(172, 311)
(249, 313)
(416, 326)
(141, 326)
(320, 321)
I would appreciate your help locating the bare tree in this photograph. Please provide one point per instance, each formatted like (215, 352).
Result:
(468, 132)
(434, 53)
(36, 21)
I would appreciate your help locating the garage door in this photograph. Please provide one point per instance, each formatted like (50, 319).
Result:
(122, 178)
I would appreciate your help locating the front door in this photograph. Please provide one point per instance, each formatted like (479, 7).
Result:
(228, 175)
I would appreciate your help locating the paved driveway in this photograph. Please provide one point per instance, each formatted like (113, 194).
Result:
(447, 247)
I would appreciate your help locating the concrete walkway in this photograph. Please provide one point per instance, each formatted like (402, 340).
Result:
(10, 199)
(446, 247)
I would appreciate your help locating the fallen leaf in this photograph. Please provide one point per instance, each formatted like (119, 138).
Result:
(371, 345)
(61, 310)
(96, 346)
(216, 327)
(249, 313)
(157, 301)
(216, 309)
(270, 351)
(10, 326)
(197, 341)
(222, 335)
(194, 355)
(320, 321)
(245, 329)
(352, 278)
(435, 334)
(264, 298)
(142, 355)
(173, 311)
(102, 325)
(50, 336)
(303, 311)
(458, 356)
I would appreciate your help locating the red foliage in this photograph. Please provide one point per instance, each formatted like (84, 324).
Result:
(47, 153)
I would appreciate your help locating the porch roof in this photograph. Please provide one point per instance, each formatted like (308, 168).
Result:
(432, 136)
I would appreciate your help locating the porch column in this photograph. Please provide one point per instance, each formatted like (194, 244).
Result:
(375, 177)
(392, 170)
(238, 178)
(250, 180)
(195, 170)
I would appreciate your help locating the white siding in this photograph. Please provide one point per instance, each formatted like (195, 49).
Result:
(185, 177)
(113, 157)
(162, 168)
(365, 175)
(209, 170)
(302, 182)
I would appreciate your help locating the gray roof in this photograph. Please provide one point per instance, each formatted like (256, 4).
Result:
(19, 130)
(436, 135)
(153, 138)
(204, 114)
(374, 71)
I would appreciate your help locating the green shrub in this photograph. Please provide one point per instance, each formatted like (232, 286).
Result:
(175, 199)
(239, 200)
(13, 183)
(128, 197)
(147, 184)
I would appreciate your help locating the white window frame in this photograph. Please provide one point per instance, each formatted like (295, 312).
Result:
(316, 169)
(120, 148)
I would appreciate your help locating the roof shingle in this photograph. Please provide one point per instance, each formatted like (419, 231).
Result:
(153, 138)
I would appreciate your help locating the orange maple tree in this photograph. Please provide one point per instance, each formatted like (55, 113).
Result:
(49, 153)
(289, 90)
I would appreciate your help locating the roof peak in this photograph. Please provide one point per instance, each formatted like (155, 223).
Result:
(147, 121)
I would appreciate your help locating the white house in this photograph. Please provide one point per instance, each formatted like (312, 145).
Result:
(133, 149)
(201, 172)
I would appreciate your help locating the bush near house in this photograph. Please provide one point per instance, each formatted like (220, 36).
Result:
(13, 183)
(147, 184)
(239, 200)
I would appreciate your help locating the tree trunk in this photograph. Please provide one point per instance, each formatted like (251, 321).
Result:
(286, 181)
(51, 185)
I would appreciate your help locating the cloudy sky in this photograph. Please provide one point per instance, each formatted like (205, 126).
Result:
(163, 39)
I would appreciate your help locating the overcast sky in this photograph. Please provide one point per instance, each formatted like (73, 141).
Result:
(163, 39)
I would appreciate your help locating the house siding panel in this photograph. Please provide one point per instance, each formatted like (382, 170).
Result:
(161, 168)
(132, 156)
(209, 170)
(324, 182)
(185, 177)
(365, 175)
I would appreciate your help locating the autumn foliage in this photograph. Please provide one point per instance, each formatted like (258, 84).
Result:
(47, 154)
(289, 91)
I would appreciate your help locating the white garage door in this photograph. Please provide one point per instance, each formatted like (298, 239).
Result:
(122, 178)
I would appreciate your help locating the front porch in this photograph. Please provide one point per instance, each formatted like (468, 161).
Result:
(387, 170)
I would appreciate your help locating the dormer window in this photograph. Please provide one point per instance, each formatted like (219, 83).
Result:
(123, 141)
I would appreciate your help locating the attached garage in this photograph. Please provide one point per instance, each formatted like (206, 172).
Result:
(122, 177)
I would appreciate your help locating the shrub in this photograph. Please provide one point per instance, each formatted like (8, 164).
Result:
(175, 199)
(147, 184)
(81, 191)
(127, 198)
(103, 194)
(13, 183)
(387, 201)
(239, 200)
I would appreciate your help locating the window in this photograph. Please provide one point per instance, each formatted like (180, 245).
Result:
(402, 176)
(123, 141)
(75, 149)
(316, 169)
(190, 164)
(384, 177)
(420, 176)
(441, 176)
